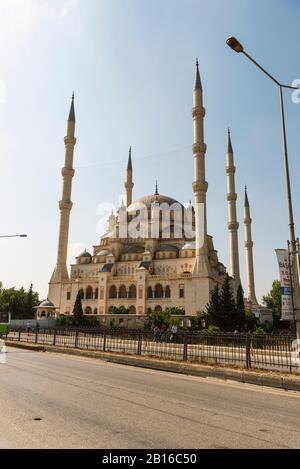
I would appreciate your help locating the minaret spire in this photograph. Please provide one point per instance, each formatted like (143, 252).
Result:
(128, 183)
(72, 110)
(156, 188)
(200, 186)
(198, 84)
(60, 273)
(249, 251)
(233, 225)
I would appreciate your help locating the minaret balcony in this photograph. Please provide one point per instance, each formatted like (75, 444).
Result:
(198, 111)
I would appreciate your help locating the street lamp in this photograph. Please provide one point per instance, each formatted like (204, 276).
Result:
(14, 236)
(235, 45)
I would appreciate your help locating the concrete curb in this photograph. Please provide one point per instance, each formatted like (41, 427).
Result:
(261, 378)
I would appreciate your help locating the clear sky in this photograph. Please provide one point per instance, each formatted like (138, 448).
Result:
(131, 64)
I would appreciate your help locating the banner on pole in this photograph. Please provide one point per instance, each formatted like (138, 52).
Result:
(287, 313)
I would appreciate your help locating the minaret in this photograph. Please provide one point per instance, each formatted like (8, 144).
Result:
(233, 225)
(128, 183)
(249, 251)
(200, 185)
(60, 273)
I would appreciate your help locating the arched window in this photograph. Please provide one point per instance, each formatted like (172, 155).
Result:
(43, 314)
(81, 293)
(89, 293)
(149, 292)
(158, 292)
(110, 309)
(132, 310)
(113, 292)
(96, 293)
(158, 309)
(96, 311)
(132, 291)
(88, 310)
(168, 292)
(122, 292)
(149, 311)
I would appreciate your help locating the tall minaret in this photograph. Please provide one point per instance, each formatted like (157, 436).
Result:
(249, 251)
(60, 273)
(128, 183)
(200, 185)
(233, 225)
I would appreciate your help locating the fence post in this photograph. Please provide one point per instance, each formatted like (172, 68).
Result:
(54, 337)
(19, 337)
(104, 341)
(248, 351)
(185, 348)
(139, 351)
(76, 339)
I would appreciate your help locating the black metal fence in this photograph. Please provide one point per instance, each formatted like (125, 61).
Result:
(272, 352)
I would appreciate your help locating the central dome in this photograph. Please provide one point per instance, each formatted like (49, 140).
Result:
(148, 200)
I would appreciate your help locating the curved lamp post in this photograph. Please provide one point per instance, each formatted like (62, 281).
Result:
(14, 236)
(235, 45)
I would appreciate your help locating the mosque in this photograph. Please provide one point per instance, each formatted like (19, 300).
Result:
(144, 263)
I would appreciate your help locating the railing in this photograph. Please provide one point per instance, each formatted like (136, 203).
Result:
(272, 352)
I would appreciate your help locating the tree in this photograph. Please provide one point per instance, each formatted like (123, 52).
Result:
(273, 301)
(213, 308)
(176, 311)
(240, 315)
(17, 302)
(227, 317)
(250, 321)
(159, 318)
(77, 310)
(31, 302)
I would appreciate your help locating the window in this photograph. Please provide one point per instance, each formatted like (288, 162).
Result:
(96, 293)
(122, 292)
(167, 292)
(89, 293)
(181, 290)
(113, 292)
(68, 295)
(158, 291)
(132, 291)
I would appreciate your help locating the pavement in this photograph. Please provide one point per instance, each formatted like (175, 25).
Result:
(63, 401)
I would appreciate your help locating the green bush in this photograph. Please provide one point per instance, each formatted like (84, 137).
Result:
(4, 329)
(120, 310)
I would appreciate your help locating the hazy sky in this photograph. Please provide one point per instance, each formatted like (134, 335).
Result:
(131, 65)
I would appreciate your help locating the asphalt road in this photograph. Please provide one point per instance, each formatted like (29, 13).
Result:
(88, 403)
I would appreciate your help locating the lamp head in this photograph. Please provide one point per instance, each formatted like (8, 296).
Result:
(234, 44)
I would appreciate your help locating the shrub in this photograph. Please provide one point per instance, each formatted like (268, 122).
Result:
(4, 329)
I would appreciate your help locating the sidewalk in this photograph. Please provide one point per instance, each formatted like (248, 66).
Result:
(275, 379)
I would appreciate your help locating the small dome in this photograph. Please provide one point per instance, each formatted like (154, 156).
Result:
(190, 245)
(85, 254)
(104, 252)
(47, 304)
